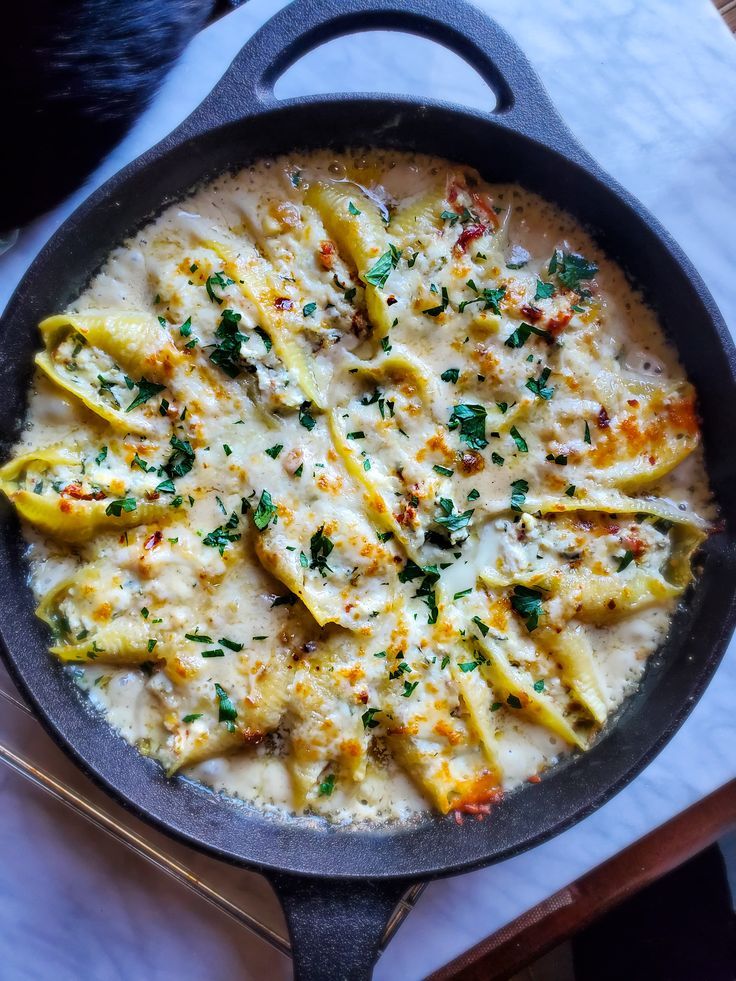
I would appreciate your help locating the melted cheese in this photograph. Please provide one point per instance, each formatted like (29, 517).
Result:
(356, 486)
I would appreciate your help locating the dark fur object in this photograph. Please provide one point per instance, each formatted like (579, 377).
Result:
(76, 74)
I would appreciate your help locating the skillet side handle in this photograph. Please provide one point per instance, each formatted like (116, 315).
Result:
(246, 88)
(336, 926)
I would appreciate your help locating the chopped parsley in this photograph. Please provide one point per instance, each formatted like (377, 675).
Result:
(539, 685)
(102, 455)
(107, 386)
(571, 268)
(450, 375)
(223, 535)
(481, 625)
(409, 689)
(309, 309)
(141, 464)
(441, 307)
(544, 290)
(429, 575)
(383, 267)
(497, 459)
(528, 604)
(368, 717)
(116, 508)
(320, 547)
(273, 451)
(267, 343)
(472, 422)
(265, 512)
(305, 416)
(490, 298)
(570, 491)
(220, 280)
(624, 560)
(586, 434)
(444, 471)
(146, 390)
(193, 717)
(226, 353)
(228, 713)
(514, 701)
(353, 210)
(374, 397)
(230, 644)
(181, 460)
(523, 332)
(538, 386)
(521, 443)
(327, 786)
(519, 490)
(358, 434)
(452, 522)
(453, 217)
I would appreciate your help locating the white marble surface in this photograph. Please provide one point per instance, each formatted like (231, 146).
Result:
(648, 89)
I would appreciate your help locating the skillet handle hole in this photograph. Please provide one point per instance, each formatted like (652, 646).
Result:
(389, 62)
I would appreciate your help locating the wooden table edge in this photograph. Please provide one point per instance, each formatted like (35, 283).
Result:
(555, 920)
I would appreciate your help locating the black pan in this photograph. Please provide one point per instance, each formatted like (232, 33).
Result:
(338, 886)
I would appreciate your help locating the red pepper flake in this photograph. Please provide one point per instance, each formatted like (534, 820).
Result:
(283, 303)
(458, 817)
(534, 778)
(327, 253)
(604, 420)
(634, 544)
(153, 540)
(391, 300)
(634, 402)
(468, 234)
(556, 324)
(531, 313)
(76, 491)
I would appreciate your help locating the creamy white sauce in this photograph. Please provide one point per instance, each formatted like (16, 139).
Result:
(611, 346)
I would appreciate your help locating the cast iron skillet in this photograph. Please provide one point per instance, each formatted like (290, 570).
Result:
(339, 886)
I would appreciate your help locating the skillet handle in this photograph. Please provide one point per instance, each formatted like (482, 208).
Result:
(336, 926)
(246, 88)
